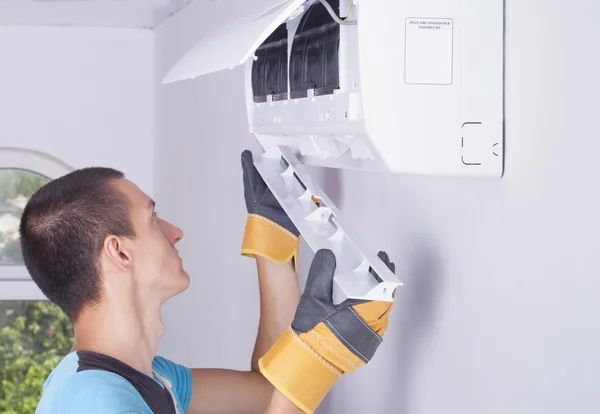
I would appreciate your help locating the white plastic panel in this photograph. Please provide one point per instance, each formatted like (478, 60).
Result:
(235, 42)
(323, 227)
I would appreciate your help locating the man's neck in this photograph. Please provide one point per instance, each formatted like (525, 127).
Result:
(123, 331)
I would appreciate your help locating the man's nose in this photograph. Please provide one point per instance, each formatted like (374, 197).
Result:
(173, 233)
(177, 234)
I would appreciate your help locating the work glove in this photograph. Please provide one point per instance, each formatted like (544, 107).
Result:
(269, 231)
(324, 341)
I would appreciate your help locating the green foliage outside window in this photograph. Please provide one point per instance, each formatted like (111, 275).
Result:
(31, 345)
(15, 182)
(16, 187)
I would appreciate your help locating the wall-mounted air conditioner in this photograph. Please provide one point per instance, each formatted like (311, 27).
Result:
(403, 86)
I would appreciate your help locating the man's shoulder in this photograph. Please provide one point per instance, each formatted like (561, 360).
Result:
(177, 377)
(167, 368)
(100, 384)
(70, 390)
(91, 392)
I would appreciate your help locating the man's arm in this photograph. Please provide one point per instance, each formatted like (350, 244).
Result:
(305, 343)
(281, 405)
(227, 391)
(279, 297)
(272, 240)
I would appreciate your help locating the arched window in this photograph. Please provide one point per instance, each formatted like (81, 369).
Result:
(16, 188)
(34, 333)
(22, 172)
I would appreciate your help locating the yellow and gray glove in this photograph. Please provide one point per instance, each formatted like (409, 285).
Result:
(269, 231)
(324, 341)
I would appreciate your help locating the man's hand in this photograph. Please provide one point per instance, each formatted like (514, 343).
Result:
(324, 341)
(269, 231)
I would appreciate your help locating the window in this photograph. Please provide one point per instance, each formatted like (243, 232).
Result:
(34, 333)
(34, 337)
(22, 172)
(16, 188)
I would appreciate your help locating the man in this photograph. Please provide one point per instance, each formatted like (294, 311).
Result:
(95, 246)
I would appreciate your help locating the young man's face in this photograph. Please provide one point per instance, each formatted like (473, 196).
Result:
(156, 265)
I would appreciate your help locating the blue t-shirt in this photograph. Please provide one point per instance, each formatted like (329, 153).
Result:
(92, 383)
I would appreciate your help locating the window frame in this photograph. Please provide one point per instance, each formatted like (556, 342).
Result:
(15, 281)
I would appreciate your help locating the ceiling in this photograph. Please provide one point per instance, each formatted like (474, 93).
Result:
(103, 13)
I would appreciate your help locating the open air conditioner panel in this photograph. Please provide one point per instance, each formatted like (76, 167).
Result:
(360, 274)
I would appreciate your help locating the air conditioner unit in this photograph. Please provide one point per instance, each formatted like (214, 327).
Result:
(400, 86)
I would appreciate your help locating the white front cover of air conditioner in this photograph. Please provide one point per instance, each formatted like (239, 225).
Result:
(421, 86)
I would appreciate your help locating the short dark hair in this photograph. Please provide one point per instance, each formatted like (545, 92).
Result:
(62, 230)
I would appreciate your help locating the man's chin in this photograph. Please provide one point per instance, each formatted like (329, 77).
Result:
(179, 285)
(185, 281)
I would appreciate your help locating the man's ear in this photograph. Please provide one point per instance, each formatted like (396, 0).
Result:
(117, 252)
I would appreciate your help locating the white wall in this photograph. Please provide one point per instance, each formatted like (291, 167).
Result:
(500, 310)
(83, 95)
